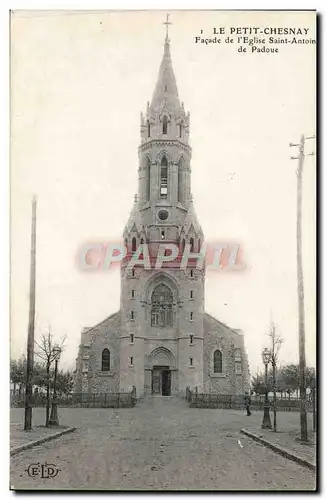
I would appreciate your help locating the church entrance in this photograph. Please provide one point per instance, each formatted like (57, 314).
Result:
(161, 380)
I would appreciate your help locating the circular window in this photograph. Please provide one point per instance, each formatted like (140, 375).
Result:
(163, 214)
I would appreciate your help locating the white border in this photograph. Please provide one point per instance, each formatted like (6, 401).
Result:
(167, 5)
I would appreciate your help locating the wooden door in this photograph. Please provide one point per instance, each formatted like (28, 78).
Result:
(156, 382)
(166, 383)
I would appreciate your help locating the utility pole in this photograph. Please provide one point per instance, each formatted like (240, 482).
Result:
(302, 345)
(31, 322)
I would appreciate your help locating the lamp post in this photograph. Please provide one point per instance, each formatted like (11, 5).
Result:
(266, 355)
(54, 419)
(313, 400)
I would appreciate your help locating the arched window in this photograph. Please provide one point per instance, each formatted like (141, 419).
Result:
(105, 360)
(165, 125)
(164, 178)
(162, 301)
(133, 245)
(191, 241)
(148, 129)
(180, 175)
(183, 244)
(148, 186)
(199, 245)
(180, 129)
(142, 241)
(217, 361)
(126, 244)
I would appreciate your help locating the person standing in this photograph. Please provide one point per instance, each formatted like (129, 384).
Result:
(247, 400)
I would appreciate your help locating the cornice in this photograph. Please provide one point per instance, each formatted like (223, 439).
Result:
(163, 143)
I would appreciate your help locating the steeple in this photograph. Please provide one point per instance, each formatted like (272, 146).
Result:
(166, 86)
(164, 209)
(165, 116)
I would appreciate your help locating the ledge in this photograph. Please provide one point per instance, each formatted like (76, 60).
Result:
(105, 374)
(218, 375)
(42, 440)
(279, 449)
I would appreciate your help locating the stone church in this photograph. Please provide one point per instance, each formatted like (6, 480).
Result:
(162, 341)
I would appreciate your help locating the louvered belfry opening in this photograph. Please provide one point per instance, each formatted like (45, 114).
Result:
(164, 178)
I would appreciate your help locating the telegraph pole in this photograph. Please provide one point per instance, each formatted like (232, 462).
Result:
(31, 322)
(302, 345)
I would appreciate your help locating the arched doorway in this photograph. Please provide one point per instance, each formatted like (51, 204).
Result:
(161, 381)
(162, 366)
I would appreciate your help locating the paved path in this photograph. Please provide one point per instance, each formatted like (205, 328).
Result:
(159, 444)
(19, 437)
(290, 439)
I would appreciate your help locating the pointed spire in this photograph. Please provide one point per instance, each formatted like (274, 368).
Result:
(167, 53)
(166, 90)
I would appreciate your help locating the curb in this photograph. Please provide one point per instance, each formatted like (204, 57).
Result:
(281, 451)
(26, 446)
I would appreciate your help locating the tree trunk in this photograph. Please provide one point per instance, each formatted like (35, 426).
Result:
(47, 416)
(274, 395)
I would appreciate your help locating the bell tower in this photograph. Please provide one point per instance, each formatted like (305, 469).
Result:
(163, 309)
(164, 189)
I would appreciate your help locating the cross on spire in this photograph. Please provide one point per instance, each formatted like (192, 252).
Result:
(167, 22)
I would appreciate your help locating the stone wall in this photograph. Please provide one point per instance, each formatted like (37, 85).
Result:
(136, 296)
(104, 335)
(123, 375)
(230, 343)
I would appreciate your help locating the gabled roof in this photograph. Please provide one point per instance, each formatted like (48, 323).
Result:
(222, 324)
(88, 330)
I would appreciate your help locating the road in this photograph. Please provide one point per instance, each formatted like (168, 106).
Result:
(160, 444)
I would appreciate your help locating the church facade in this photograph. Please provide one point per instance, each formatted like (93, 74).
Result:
(162, 341)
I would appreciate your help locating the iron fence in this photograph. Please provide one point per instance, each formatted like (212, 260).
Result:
(81, 400)
(211, 400)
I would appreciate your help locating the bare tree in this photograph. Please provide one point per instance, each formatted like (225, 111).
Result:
(276, 342)
(46, 352)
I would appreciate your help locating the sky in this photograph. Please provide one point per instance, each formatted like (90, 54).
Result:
(79, 81)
